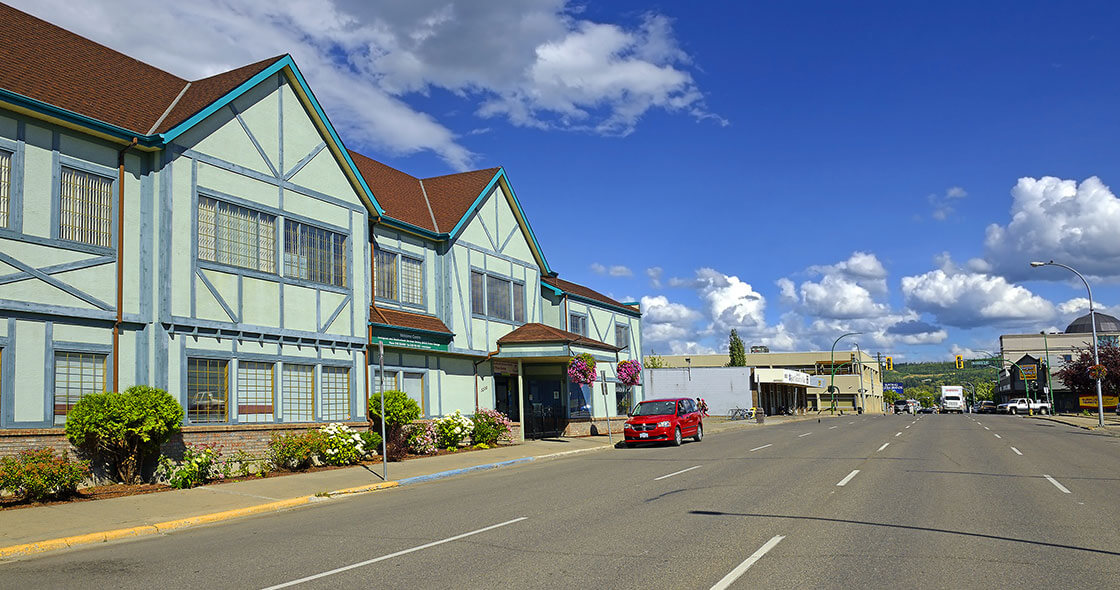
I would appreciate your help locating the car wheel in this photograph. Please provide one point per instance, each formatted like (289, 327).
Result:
(699, 433)
(1011, 410)
(677, 437)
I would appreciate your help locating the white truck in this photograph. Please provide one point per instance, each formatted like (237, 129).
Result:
(1022, 405)
(952, 399)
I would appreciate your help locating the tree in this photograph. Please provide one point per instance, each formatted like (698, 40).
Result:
(737, 351)
(1075, 373)
(655, 362)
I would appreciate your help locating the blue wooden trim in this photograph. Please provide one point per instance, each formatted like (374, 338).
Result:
(165, 238)
(217, 296)
(194, 237)
(521, 213)
(262, 208)
(264, 276)
(253, 138)
(305, 161)
(56, 187)
(52, 111)
(58, 268)
(49, 376)
(240, 296)
(348, 246)
(54, 282)
(47, 310)
(54, 242)
(15, 181)
(280, 122)
(86, 166)
(201, 353)
(7, 376)
(512, 232)
(147, 221)
(90, 347)
(268, 333)
(143, 337)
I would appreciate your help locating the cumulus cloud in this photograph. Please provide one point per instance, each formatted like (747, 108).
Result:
(1078, 305)
(654, 274)
(598, 269)
(846, 289)
(731, 303)
(534, 62)
(943, 205)
(619, 270)
(1056, 219)
(861, 268)
(666, 322)
(970, 300)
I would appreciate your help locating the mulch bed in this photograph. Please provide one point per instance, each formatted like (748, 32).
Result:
(117, 490)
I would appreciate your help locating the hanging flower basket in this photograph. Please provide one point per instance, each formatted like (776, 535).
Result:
(629, 372)
(581, 369)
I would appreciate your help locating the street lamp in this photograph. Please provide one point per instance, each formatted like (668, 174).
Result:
(859, 355)
(832, 361)
(1049, 383)
(1093, 321)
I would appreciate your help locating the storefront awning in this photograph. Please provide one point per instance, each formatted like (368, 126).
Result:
(541, 342)
(784, 376)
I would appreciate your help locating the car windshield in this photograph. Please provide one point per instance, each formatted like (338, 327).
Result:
(952, 398)
(655, 408)
(902, 403)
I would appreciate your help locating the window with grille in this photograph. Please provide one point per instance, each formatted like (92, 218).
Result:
(578, 324)
(478, 293)
(336, 393)
(75, 375)
(385, 279)
(399, 278)
(518, 302)
(235, 235)
(255, 392)
(85, 208)
(5, 186)
(299, 393)
(497, 298)
(314, 254)
(206, 390)
(412, 281)
(622, 336)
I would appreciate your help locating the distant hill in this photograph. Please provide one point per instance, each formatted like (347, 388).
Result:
(918, 378)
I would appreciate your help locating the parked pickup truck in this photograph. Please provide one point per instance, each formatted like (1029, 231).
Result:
(1022, 405)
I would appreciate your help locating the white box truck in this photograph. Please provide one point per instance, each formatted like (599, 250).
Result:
(952, 399)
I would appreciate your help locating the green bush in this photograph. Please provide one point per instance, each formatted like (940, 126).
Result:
(124, 429)
(400, 411)
(490, 427)
(38, 474)
(296, 451)
(199, 465)
(371, 441)
(452, 430)
(344, 446)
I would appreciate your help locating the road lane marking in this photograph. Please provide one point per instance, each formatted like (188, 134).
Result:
(882, 447)
(986, 428)
(392, 555)
(831, 427)
(898, 434)
(908, 425)
(747, 563)
(1056, 484)
(760, 448)
(848, 478)
(806, 434)
(676, 473)
(997, 436)
(852, 422)
(1017, 451)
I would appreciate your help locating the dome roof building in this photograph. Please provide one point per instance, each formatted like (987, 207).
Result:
(1083, 325)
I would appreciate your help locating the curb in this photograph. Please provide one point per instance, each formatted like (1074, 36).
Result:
(26, 549)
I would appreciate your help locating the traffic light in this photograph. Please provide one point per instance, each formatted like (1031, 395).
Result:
(960, 362)
(890, 364)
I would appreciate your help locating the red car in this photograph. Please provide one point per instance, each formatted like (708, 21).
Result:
(664, 420)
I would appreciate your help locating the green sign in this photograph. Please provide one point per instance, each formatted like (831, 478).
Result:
(401, 339)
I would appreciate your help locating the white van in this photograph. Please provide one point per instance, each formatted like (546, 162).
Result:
(952, 399)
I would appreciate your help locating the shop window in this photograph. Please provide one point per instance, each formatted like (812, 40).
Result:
(299, 393)
(336, 393)
(85, 208)
(76, 374)
(235, 235)
(207, 391)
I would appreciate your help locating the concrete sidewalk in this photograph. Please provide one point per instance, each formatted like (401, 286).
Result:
(27, 531)
(1111, 421)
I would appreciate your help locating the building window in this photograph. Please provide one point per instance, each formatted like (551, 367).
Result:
(496, 297)
(206, 390)
(412, 281)
(336, 393)
(1067, 358)
(478, 293)
(86, 208)
(5, 186)
(314, 254)
(234, 235)
(386, 275)
(299, 393)
(622, 336)
(75, 375)
(255, 392)
(400, 278)
(519, 302)
(577, 323)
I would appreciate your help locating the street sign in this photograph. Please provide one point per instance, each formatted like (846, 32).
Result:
(895, 387)
(1028, 372)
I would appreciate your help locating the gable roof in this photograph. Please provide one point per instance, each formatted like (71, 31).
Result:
(570, 288)
(534, 333)
(404, 319)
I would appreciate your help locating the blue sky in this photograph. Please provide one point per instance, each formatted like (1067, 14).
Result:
(792, 171)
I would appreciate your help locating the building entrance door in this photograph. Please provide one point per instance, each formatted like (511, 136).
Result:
(546, 414)
(505, 397)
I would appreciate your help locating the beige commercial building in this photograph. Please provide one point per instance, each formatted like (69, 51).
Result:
(858, 379)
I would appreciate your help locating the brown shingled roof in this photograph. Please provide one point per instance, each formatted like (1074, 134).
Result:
(49, 64)
(534, 333)
(404, 319)
(452, 195)
(570, 287)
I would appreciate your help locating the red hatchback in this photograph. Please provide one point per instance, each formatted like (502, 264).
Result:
(664, 420)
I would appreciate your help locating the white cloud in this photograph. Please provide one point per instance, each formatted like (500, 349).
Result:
(619, 270)
(1055, 219)
(665, 322)
(534, 62)
(598, 269)
(1077, 305)
(732, 304)
(654, 274)
(862, 268)
(942, 205)
(969, 300)
(846, 289)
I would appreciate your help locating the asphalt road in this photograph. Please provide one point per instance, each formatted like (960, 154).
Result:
(940, 501)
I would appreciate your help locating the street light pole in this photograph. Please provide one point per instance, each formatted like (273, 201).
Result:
(1093, 321)
(1049, 383)
(832, 361)
(859, 361)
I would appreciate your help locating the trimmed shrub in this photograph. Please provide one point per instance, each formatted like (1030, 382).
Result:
(296, 451)
(38, 474)
(124, 429)
(371, 442)
(400, 411)
(199, 466)
(491, 427)
(452, 430)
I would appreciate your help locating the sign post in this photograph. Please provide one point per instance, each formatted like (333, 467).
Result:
(381, 388)
(603, 381)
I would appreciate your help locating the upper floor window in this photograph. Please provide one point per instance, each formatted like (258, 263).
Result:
(5, 186)
(399, 278)
(235, 235)
(314, 254)
(497, 297)
(577, 323)
(85, 208)
(622, 336)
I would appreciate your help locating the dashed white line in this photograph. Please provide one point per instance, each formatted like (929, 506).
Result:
(831, 427)
(760, 448)
(898, 434)
(852, 422)
(676, 473)
(747, 563)
(908, 425)
(392, 555)
(1056, 484)
(806, 434)
(996, 435)
(882, 447)
(986, 428)
(848, 478)
(1017, 451)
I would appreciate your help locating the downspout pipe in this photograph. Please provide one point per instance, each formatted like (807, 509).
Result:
(120, 264)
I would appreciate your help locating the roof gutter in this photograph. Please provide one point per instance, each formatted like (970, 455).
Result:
(49, 110)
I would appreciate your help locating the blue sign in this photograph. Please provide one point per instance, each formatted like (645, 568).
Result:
(895, 387)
